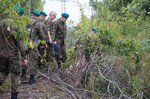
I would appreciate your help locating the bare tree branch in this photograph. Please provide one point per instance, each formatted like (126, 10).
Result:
(125, 96)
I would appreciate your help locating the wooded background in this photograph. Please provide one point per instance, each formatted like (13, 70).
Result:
(122, 67)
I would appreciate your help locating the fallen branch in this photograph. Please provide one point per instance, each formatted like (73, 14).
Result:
(64, 86)
(110, 81)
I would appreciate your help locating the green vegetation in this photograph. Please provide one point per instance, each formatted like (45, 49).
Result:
(123, 68)
(124, 39)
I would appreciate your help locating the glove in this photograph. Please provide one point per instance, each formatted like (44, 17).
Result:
(51, 45)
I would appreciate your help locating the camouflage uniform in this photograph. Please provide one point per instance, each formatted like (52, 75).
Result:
(41, 47)
(51, 27)
(41, 50)
(29, 25)
(50, 50)
(38, 32)
(60, 37)
(10, 55)
(88, 43)
(87, 46)
(24, 66)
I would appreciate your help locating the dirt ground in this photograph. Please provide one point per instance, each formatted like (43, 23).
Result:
(42, 89)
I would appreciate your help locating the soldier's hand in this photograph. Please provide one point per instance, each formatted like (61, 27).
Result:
(55, 42)
(46, 46)
(25, 61)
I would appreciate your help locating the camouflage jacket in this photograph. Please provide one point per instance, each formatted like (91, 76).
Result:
(38, 31)
(88, 43)
(11, 46)
(51, 27)
(61, 29)
(29, 25)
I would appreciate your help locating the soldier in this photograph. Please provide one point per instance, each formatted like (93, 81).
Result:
(51, 35)
(38, 33)
(85, 47)
(93, 31)
(43, 16)
(88, 43)
(50, 24)
(60, 37)
(10, 52)
(42, 47)
(34, 16)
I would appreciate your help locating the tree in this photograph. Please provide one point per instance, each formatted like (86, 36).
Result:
(6, 7)
(123, 38)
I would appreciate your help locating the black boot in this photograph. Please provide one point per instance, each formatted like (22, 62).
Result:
(14, 95)
(32, 79)
(23, 75)
(63, 59)
(59, 65)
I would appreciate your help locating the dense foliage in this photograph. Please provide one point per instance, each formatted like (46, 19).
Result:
(124, 37)
(123, 68)
(7, 12)
(6, 7)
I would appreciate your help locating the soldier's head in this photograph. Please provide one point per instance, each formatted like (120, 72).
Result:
(19, 10)
(43, 15)
(64, 17)
(52, 15)
(34, 15)
(93, 31)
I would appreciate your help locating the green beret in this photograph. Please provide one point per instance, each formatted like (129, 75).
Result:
(94, 30)
(19, 9)
(35, 13)
(65, 15)
(43, 13)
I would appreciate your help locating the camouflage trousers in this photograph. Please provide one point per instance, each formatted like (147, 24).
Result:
(12, 66)
(50, 56)
(62, 46)
(41, 50)
(23, 66)
(47, 57)
(63, 51)
(41, 55)
(33, 58)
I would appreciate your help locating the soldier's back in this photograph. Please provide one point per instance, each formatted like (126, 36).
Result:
(8, 43)
(51, 27)
(38, 31)
(34, 25)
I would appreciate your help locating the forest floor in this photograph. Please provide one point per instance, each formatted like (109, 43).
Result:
(44, 88)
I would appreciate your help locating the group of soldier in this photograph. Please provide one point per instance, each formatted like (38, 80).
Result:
(49, 35)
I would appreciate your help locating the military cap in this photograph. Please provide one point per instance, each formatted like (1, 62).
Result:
(19, 9)
(94, 30)
(43, 13)
(35, 13)
(65, 15)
